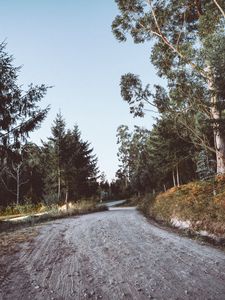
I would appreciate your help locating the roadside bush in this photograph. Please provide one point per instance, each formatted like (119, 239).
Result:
(201, 202)
(21, 209)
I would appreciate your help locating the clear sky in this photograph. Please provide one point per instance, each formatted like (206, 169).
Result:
(69, 44)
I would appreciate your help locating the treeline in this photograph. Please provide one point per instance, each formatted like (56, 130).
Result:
(188, 139)
(62, 168)
(153, 161)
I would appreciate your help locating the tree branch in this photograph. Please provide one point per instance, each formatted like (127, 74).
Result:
(6, 187)
(171, 46)
(219, 7)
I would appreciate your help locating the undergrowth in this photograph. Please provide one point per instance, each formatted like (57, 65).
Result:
(201, 202)
(44, 214)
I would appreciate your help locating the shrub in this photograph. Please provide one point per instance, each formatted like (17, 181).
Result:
(195, 202)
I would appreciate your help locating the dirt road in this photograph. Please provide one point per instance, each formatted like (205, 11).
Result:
(112, 255)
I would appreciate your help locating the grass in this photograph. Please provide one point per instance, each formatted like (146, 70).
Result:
(201, 202)
(19, 210)
(48, 213)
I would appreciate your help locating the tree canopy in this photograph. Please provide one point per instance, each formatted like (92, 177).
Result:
(188, 46)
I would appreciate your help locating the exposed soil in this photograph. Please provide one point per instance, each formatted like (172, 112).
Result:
(111, 255)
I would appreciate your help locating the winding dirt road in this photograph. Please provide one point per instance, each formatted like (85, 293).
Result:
(112, 255)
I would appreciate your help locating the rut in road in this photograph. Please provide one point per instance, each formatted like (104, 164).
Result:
(112, 255)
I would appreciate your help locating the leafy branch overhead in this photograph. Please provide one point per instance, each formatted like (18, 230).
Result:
(188, 46)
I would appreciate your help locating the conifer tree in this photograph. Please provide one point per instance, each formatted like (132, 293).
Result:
(19, 112)
(19, 115)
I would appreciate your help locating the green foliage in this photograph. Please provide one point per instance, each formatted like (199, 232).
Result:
(150, 158)
(19, 112)
(133, 92)
(19, 115)
(69, 167)
(188, 50)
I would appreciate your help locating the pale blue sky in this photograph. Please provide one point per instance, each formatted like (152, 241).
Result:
(69, 44)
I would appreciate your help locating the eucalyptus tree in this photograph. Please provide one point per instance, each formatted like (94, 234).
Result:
(188, 49)
(123, 140)
(172, 153)
(141, 168)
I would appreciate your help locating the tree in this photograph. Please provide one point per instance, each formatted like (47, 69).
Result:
(19, 112)
(160, 158)
(12, 175)
(58, 137)
(123, 138)
(34, 171)
(189, 44)
(134, 167)
(81, 166)
(104, 187)
(69, 166)
(19, 115)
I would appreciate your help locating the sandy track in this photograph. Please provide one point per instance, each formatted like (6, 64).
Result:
(112, 255)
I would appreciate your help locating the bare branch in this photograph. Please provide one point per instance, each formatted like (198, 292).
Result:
(220, 8)
(6, 187)
(151, 110)
(178, 40)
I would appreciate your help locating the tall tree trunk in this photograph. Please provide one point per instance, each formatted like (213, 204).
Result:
(31, 186)
(59, 184)
(174, 180)
(219, 140)
(178, 175)
(66, 200)
(18, 184)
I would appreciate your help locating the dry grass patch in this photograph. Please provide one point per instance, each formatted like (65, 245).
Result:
(201, 203)
(53, 212)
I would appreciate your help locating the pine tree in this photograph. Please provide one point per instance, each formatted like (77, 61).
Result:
(80, 165)
(19, 112)
(19, 115)
(58, 136)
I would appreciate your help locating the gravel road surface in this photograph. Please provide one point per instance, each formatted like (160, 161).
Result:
(111, 255)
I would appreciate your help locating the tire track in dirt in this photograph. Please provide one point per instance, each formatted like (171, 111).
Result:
(112, 255)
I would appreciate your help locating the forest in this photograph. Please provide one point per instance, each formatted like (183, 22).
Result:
(155, 231)
(64, 168)
(186, 143)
